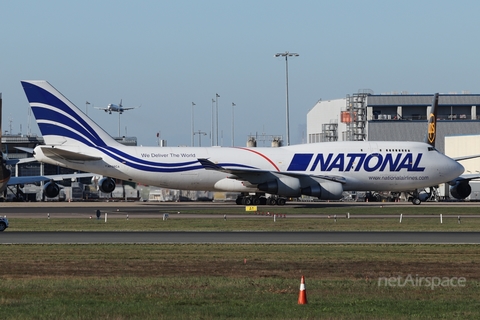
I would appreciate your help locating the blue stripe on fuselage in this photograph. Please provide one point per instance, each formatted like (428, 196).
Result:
(356, 162)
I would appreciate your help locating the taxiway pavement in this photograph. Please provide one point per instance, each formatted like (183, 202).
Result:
(156, 210)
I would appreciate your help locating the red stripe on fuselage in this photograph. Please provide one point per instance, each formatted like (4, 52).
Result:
(263, 156)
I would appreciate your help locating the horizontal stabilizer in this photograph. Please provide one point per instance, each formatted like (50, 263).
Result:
(67, 155)
(24, 149)
(12, 162)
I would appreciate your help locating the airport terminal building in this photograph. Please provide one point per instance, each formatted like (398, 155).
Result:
(14, 147)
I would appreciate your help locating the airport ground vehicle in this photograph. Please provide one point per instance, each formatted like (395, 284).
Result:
(3, 223)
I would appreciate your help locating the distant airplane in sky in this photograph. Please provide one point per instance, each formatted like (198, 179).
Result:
(115, 108)
(324, 170)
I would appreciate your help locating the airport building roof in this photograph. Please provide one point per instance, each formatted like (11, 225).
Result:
(406, 100)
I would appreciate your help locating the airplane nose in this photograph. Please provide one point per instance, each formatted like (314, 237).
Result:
(454, 169)
(460, 169)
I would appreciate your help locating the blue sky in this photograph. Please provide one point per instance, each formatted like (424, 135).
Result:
(164, 55)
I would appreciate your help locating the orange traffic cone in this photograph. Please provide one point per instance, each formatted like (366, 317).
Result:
(302, 296)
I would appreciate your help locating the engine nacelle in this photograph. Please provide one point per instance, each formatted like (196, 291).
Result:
(51, 189)
(424, 195)
(106, 185)
(461, 190)
(282, 186)
(327, 190)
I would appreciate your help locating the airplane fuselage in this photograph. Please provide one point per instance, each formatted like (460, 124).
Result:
(113, 108)
(358, 166)
(323, 170)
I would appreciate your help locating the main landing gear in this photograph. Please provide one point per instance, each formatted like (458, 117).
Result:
(416, 201)
(248, 200)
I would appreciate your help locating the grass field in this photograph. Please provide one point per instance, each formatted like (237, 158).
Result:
(234, 281)
(241, 281)
(340, 209)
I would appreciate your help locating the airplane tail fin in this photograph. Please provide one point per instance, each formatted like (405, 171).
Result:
(60, 121)
(432, 122)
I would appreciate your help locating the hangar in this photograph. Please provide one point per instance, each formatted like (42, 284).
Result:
(402, 116)
(392, 117)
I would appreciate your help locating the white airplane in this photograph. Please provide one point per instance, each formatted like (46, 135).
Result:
(115, 108)
(324, 170)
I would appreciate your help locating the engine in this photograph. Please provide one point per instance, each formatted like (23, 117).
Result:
(424, 195)
(461, 190)
(325, 190)
(106, 185)
(51, 189)
(282, 186)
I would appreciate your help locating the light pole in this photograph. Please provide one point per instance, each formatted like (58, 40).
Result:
(200, 134)
(193, 132)
(287, 54)
(216, 105)
(212, 137)
(86, 107)
(233, 124)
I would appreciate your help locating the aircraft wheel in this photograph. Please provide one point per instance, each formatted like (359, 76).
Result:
(281, 201)
(239, 200)
(416, 201)
(256, 201)
(3, 226)
(272, 201)
(247, 201)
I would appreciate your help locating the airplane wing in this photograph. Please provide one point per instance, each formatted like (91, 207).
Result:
(99, 108)
(35, 179)
(465, 177)
(473, 156)
(129, 108)
(256, 176)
